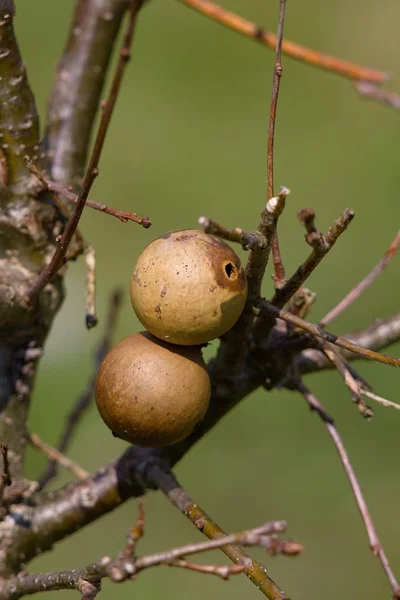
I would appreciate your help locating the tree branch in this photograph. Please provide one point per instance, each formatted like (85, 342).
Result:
(62, 190)
(371, 91)
(291, 49)
(80, 77)
(92, 169)
(325, 335)
(373, 539)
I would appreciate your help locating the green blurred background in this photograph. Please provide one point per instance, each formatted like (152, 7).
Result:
(189, 138)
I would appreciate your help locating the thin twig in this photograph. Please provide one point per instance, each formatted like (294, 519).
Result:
(83, 402)
(166, 482)
(310, 57)
(92, 170)
(382, 333)
(315, 330)
(371, 91)
(62, 190)
(222, 571)
(350, 381)
(123, 568)
(55, 456)
(373, 539)
(379, 399)
(252, 240)
(363, 284)
(321, 244)
(90, 288)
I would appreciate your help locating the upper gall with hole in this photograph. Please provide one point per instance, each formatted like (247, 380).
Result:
(188, 287)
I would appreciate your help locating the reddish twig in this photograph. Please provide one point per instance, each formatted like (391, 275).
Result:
(379, 399)
(164, 480)
(92, 170)
(137, 532)
(291, 49)
(279, 270)
(350, 381)
(371, 91)
(223, 571)
(321, 245)
(318, 332)
(87, 579)
(83, 402)
(373, 539)
(62, 190)
(364, 284)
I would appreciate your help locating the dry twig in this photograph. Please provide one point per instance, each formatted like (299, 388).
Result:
(55, 456)
(165, 480)
(373, 539)
(316, 331)
(291, 49)
(379, 399)
(372, 91)
(62, 190)
(92, 170)
(363, 284)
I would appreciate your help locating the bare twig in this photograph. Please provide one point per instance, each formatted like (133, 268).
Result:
(92, 170)
(279, 271)
(83, 402)
(166, 481)
(310, 57)
(62, 190)
(321, 245)
(136, 533)
(373, 539)
(364, 283)
(90, 288)
(223, 571)
(123, 568)
(252, 240)
(371, 91)
(315, 330)
(5, 477)
(349, 379)
(55, 456)
(379, 399)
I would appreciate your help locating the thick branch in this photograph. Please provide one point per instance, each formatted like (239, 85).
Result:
(77, 88)
(19, 123)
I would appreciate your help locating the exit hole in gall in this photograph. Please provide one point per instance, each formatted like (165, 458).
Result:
(230, 271)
